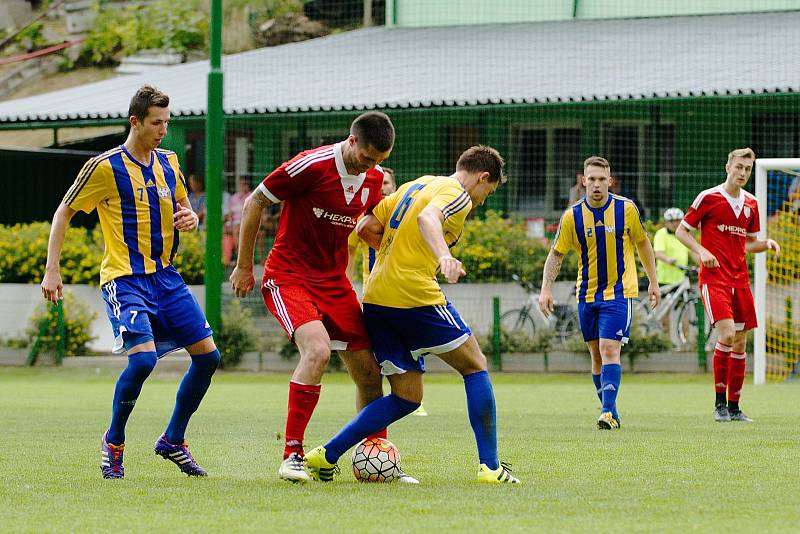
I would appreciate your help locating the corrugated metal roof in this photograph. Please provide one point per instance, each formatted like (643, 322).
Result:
(468, 65)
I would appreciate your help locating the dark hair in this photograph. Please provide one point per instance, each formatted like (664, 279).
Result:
(597, 161)
(146, 97)
(374, 129)
(482, 158)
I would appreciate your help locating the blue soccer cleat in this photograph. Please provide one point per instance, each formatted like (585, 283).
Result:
(111, 459)
(180, 456)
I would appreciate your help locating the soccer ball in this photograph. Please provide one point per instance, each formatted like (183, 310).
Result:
(376, 460)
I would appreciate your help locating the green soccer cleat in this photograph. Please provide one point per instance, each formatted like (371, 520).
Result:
(501, 475)
(606, 421)
(318, 467)
(420, 411)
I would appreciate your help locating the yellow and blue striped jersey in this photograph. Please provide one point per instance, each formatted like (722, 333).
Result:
(404, 273)
(136, 204)
(604, 238)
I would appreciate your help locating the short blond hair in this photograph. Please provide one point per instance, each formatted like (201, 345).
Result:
(742, 153)
(597, 161)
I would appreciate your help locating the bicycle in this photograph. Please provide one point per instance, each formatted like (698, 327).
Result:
(523, 321)
(679, 304)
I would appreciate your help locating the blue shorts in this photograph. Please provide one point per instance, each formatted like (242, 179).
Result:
(607, 320)
(401, 337)
(158, 306)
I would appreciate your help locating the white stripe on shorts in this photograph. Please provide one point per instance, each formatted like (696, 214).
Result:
(445, 314)
(279, 305)
(707, 304)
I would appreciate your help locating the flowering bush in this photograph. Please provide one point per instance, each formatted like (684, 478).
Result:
(78, 319)
(23, 255)
(494, 248)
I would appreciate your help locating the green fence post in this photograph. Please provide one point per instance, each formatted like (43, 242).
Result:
(496, 356)
(214, 149)
(61, 346)
(702, 361)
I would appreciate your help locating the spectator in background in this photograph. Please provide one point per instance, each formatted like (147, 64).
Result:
(617, 187)
(577, 191)
(197, 198)
(671, 254)
(233, 218)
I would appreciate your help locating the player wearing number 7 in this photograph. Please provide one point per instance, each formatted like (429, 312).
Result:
(140, 196)
(408, 316)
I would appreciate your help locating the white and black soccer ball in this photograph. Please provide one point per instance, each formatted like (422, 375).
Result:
(376, 460)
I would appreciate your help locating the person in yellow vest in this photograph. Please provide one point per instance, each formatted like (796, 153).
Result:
(671, 254)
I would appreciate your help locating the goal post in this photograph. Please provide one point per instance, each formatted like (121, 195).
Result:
(776, 283)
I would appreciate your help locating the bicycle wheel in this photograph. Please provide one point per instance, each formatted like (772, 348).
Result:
(643, 318)
(685, 327)
(517, 323)
(567, 326)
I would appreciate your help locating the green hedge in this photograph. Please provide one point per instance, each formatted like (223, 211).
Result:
(494, 248)
(491, 249)
(23, 254)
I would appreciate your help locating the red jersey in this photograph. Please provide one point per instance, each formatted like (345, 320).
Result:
(321, 205)
(725, 224)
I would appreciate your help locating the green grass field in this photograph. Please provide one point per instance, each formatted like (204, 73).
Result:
(670, 468)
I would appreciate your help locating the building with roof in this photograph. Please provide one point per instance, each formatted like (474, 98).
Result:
(664, 99)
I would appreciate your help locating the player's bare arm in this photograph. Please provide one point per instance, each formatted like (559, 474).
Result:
(242, 281)
(647, 257)
(52, 287)
(704, 257)
(186, 219)
(552, 266)
(370, 230)
(430, 226)
(757, 245)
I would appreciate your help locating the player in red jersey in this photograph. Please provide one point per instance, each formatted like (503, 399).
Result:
(728, 219)
(324, 191)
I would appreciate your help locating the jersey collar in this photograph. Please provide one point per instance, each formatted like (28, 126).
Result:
(736, 203)
(139, 163)
(350, 183)
(340, 166)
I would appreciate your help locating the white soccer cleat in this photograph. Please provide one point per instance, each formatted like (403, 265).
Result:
(403, 478)
(293, 469)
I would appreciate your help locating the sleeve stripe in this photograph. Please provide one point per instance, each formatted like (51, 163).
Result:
(687, 225)
(300, 165)
(83, 177)
(457, 205)
(267, 193)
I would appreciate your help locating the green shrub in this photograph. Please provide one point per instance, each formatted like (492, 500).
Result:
(494, 247)
(78, 317)
(23, 254)
(190, 260)
(642, 343)
(236, 335)
(542, 341)
(120, 31)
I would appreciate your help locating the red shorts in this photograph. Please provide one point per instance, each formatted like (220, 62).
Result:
(295, 303)
(723, 302)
